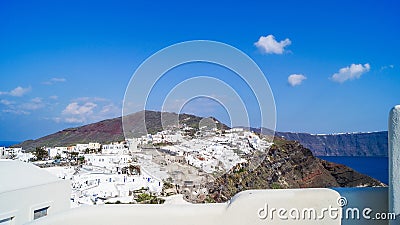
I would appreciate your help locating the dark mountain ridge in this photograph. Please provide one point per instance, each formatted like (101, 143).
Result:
(111, 130)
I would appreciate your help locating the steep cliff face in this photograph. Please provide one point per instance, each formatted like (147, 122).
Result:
(349, 144)
(288, 165)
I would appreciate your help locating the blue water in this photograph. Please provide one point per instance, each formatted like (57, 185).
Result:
(8, 143)
(376, 167)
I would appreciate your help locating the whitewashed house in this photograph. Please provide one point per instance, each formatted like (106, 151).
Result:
(2, 152)
(71, 149)
(28, 192)
(133, 145)
(62, 149)
(14, 151)
(107, 161)
(53, 152)
(115, 148)
(24, 156)
(94, 146)
(81, 147)
(6, 153)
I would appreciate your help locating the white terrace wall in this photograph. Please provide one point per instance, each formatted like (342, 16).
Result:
(249, 207)
(394, 163)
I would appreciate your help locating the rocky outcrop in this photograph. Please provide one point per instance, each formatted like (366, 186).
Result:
(348, 144)
(287, 165)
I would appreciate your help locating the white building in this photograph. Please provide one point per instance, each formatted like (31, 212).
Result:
(235, 130)
(24, 156)
(94, 146)
(71, 149)
(81, 147)
(107, 161)
(6, 153)
(28, 192)
(52, 152)
(133, 145)
(115, 148)
(62, 149)
(2, 152)
(11, 151)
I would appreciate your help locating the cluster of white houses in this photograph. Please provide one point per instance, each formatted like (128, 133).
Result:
(208, 151)
(15, 153)
(124, 147)
(118, 171)
(107, 178)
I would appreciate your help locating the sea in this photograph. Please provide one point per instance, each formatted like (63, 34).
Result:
(376, 167)
(8, 143)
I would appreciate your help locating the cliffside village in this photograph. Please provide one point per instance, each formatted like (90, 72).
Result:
(145, 169)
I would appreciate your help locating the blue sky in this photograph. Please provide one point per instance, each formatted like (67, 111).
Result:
(68, 63)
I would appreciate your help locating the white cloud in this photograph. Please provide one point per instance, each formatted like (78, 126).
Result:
(54, 80)
(6, 102)
(34, 104)
(24, 108)
(268, 45)
(17, 92)
(387, 67)
(74, 120)
(93, 99)
(88, 109)
(16, 111)
(37, 100)
(76, 108)
(110, 109)
(54, 97)
(354, 71)
(296, 79)
(76, 112)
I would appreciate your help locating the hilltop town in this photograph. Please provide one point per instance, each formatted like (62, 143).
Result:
(182, 160)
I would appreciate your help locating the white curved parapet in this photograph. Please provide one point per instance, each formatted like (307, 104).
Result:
(394, 162)
(289, 206)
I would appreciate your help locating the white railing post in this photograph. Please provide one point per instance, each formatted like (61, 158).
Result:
(394, 164)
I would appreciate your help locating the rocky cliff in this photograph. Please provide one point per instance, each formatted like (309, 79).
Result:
(287, 165)
(348, 144)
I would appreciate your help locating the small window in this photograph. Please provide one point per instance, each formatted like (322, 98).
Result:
(38, 213)
(7, 221)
